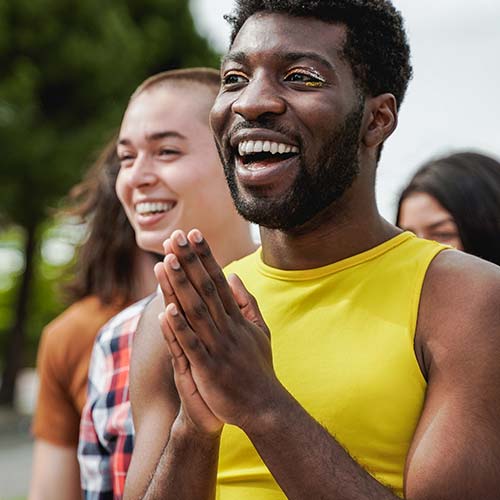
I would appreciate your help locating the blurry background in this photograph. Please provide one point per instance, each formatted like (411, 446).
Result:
(67, 69)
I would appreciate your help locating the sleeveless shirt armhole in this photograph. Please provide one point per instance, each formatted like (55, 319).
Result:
(423, 267)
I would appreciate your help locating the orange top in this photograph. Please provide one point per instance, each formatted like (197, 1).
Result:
(63, 363)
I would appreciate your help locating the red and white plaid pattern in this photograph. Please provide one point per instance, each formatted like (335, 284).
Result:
(106, 428)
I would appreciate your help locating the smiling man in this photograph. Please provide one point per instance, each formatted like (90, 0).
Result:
(365, 363)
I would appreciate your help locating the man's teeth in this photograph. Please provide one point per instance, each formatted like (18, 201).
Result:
(249, 147)
(153, 207)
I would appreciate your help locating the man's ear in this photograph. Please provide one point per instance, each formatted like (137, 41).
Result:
(382, 119)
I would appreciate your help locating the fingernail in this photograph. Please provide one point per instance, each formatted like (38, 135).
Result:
(166, 245)
(174, 263)
(197, 236)
(181, 239)
(161, 316)
(172, 309)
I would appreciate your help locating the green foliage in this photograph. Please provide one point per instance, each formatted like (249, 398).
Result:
(10, 269)
(45, 302)
(68, 69)
(46, 298)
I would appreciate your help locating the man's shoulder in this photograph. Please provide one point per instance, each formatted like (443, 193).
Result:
(124, 323)
(463, 275)
(460, 303)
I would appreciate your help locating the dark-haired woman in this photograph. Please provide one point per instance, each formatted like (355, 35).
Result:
(456, 200)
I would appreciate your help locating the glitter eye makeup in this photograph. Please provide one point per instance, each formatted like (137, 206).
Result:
(308, 77)
(314, 84)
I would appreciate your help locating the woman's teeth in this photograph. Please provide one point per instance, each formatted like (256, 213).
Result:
(147, 208)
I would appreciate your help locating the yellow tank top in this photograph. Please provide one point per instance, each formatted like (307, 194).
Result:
(342, 340)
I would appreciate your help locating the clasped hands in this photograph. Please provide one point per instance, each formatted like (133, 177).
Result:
(218, 340)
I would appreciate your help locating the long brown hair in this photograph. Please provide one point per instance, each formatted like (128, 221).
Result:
(105, 263)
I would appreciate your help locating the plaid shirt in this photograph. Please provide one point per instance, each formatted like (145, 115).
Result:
(106, 428)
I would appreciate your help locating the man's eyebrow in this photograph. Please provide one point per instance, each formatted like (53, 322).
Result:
(242, 58)
(155, 136)
(237, 57)
(296, 56)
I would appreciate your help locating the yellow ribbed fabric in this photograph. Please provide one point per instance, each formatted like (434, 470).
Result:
(342, 339)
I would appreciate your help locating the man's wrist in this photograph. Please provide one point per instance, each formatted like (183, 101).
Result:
(183, 429)
(269, 416)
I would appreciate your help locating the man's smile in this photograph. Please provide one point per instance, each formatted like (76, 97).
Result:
(266, 168)
(248, 148)
(257, 150)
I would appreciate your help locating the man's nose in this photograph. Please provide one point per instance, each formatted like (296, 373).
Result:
(142, 172)
(259, 97)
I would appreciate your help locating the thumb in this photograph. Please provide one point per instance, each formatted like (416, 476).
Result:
(247, 303)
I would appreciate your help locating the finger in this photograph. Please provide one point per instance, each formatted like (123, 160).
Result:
(247, 303)
(183, 378)
(184, 383)
(213, 269)
(188, 342)
(193, 317)
(179, 359)
(167, 246)
(199, 278)
(189, 303)
(165, 287)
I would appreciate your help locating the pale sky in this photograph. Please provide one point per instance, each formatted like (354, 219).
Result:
(453, 100)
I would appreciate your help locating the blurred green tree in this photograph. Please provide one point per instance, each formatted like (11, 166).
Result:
(67, 71)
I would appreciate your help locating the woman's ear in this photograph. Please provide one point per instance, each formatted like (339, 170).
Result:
(382, 119)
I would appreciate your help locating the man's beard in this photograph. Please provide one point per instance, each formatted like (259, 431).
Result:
(315, 188)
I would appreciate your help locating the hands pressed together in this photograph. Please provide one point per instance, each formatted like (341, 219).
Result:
(219, 342)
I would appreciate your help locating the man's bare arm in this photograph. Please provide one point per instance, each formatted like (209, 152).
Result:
(153, 398)
(455, 452)
(170, 457)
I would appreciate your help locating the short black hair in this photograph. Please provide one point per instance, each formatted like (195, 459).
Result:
(376, 45)
(467, 185)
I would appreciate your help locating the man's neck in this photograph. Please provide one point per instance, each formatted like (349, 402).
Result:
(235, 243)
(335, 234)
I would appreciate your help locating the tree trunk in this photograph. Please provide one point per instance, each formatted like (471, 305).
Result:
(16, 343)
